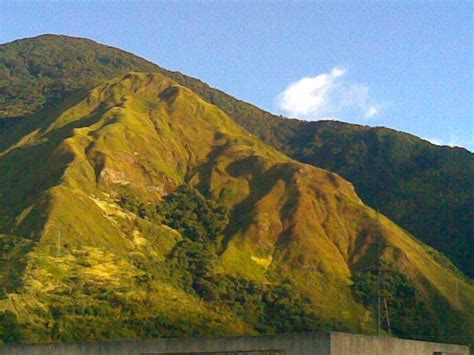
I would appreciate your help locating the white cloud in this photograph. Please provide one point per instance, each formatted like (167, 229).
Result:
(327, 95)
(372, 111)
(309, 95)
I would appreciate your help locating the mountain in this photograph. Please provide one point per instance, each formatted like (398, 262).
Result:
(85, 245)
(424, 188)
(46, 69)
(427, 189)
(137, 208)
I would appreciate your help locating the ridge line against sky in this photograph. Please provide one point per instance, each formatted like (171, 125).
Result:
(405, 65)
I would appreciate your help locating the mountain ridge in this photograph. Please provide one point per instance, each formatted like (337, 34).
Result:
(294, 236)
(311, 142)
(140, 201)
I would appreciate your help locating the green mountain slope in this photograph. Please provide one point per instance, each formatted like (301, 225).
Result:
(391, 171)
(427, 189)
(139, 209)
(46, 69)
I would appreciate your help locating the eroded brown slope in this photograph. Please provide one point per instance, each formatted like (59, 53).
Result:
(143, 134)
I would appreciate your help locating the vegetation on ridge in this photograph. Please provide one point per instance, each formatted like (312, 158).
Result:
(424, 188)
(47, 69)
(101, 250)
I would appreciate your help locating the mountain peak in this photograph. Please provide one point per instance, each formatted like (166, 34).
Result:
(135, 202)
(41, 71)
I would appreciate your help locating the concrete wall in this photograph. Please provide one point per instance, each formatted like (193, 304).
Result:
(344, 344)
(288, 344)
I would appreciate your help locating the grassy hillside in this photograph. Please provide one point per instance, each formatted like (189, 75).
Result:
(429, 190)
(138, 209)
(426, 189)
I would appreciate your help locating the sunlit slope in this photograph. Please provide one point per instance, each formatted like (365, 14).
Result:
(143, 135)
(426, 189)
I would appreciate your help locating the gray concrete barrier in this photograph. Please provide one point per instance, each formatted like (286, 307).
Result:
(315, 343)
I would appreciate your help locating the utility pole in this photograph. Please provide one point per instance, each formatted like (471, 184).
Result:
(374, 230)
(457, 290)
(381, 288)
(379, 320)
(388, 319)
(58, 244)
(371, 163)
(380, 273)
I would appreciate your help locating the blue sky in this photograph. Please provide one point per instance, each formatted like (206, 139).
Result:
(406, 65)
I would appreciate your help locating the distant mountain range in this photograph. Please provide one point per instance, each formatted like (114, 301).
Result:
(139, 202)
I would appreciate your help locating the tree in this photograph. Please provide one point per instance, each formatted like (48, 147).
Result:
(10, 328)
